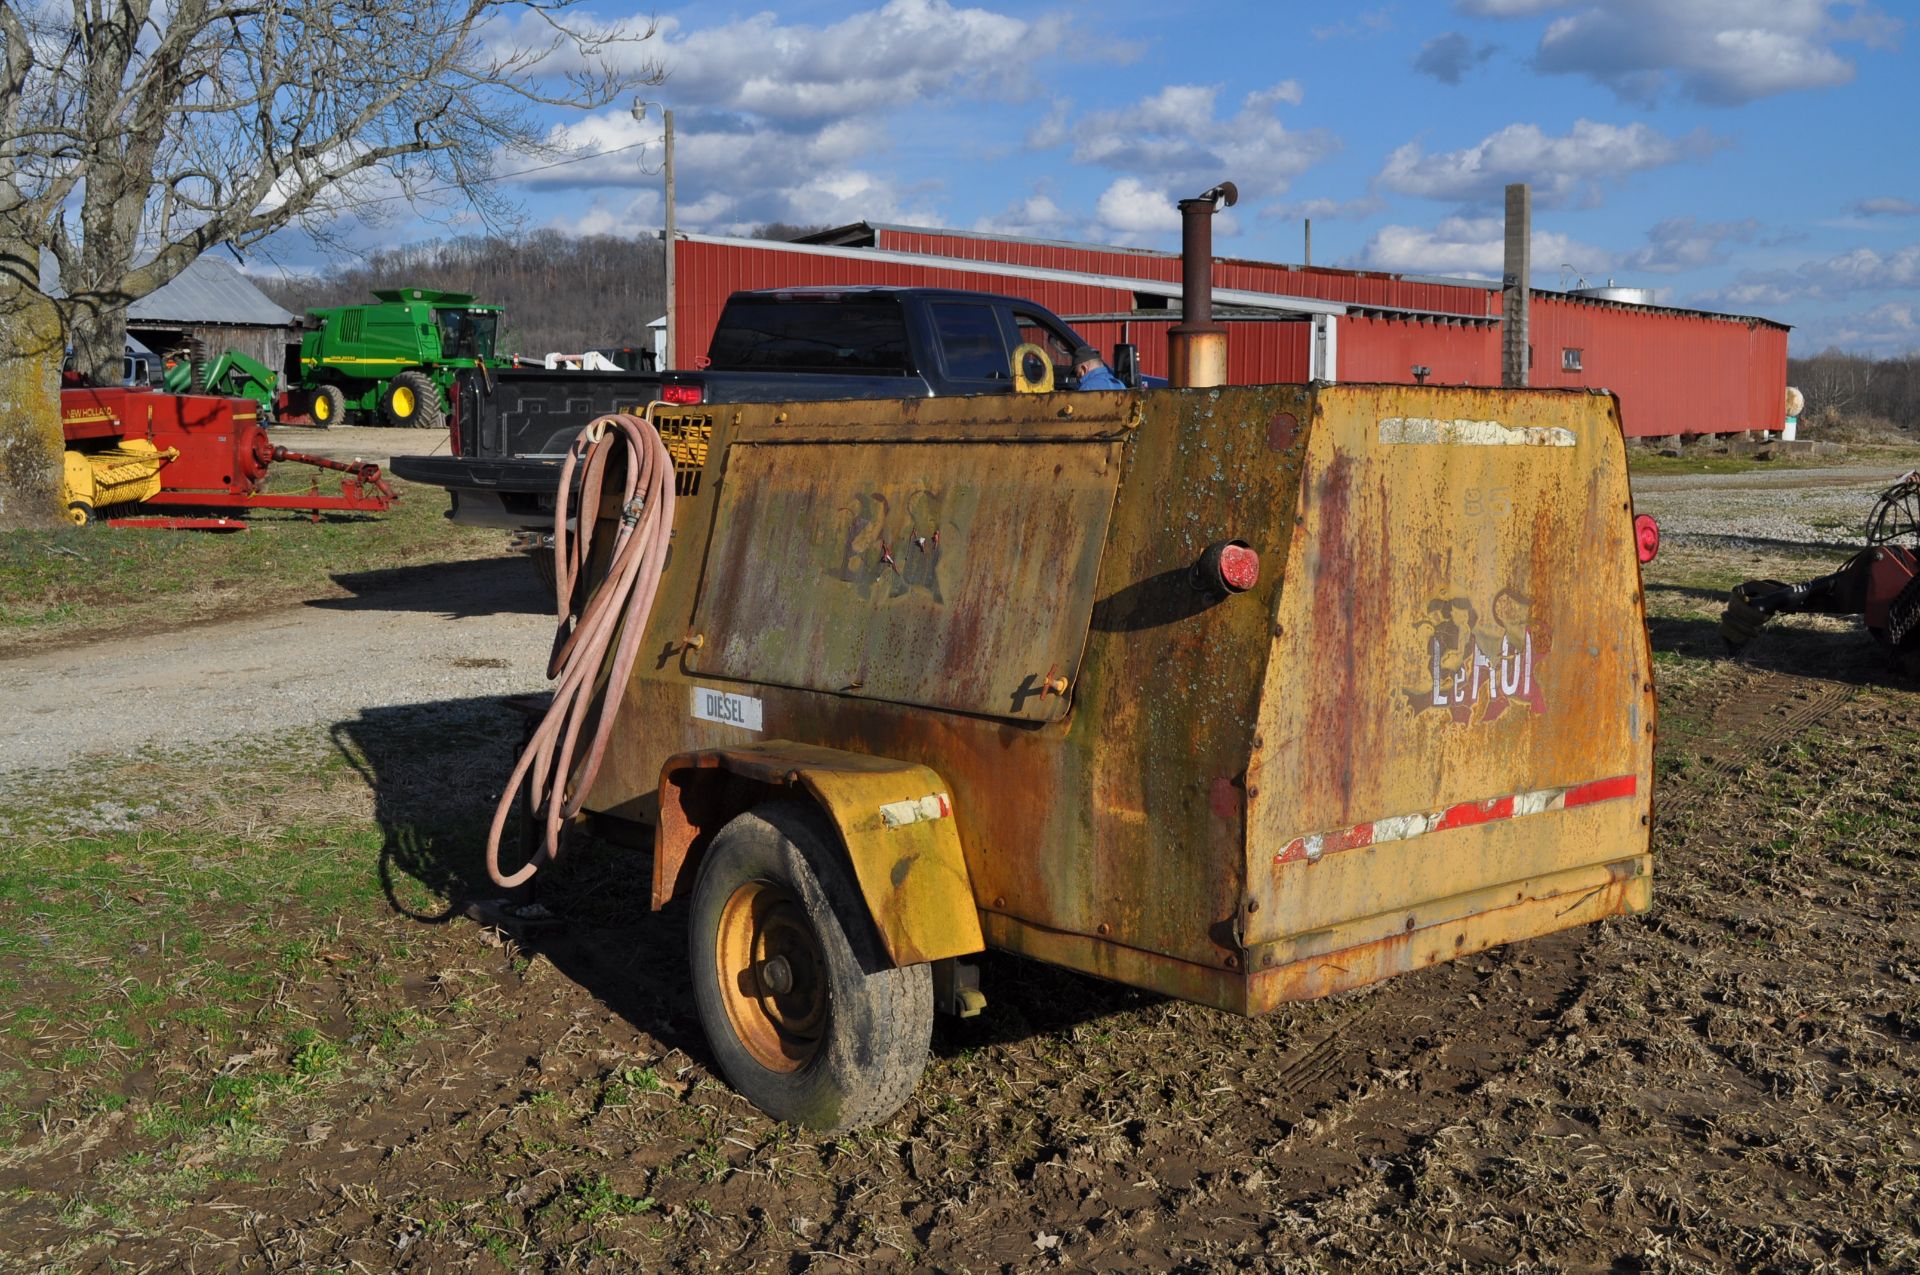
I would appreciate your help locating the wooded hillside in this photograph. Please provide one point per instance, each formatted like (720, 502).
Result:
(561, 292)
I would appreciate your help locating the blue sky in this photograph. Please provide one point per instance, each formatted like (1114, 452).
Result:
(1755, 156)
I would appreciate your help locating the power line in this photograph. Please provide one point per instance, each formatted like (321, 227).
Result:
(500, 177)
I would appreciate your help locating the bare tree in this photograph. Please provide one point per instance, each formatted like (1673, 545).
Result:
(1833, 380)
(136, 135)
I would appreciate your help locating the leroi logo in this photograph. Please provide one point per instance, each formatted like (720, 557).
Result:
(1478, 662)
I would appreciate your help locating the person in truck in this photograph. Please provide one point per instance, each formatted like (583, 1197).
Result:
(1093, 372)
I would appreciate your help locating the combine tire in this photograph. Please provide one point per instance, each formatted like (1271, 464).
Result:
(329, 407)
(803, 1014)
(412, 402)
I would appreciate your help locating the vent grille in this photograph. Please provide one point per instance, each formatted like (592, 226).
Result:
(687, 436)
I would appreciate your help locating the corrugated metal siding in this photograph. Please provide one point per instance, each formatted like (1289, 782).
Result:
(1361, 287)
(1380, 348)
(709, 273)
(1767, 376)
(1674, 373)
(208, 291)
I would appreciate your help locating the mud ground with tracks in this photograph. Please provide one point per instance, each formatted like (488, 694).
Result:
(1728, 1082)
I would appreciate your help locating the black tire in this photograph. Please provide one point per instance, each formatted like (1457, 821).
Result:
(845, 1044)
(543, 569)
(411, 401)
(327, 407)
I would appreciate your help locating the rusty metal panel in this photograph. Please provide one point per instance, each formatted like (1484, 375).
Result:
(946, 575)
(1254, 797)
(1459, 693)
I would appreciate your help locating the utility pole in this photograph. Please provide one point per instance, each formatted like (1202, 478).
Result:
(668, 112)
(1309, 250)
(640, 113)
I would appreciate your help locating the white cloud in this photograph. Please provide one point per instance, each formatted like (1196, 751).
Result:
(1136, 210)
(1174, 140)
(1448, 57)
(1037, 217)
(1888, 329)
(1325, 209)
(1722, 52)
(1569, 169)
(1886, 206)
(1471, 247)
(894, 56)
(790, 122)
(731, 179)
(1371, 22)
(1510, 8)
(1837, 278)
(1685, 243)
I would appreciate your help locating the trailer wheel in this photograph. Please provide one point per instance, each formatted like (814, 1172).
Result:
(412, 402)
(329, 407)
(81, 512)
(805, 1017)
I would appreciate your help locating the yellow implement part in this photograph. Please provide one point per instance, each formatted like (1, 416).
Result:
(121, 475)
(895, 818)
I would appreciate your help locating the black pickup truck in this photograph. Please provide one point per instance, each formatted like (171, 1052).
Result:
(510, 428)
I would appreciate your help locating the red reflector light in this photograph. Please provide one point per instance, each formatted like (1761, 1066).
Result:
(1239, 568)
(682, 394)
(1646, 537)
(1228, 566)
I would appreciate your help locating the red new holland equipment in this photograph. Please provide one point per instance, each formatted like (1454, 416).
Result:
(134, 445)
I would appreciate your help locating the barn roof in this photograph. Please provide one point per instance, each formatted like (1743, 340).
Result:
(209, 291)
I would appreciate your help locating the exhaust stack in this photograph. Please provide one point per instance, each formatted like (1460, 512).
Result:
(1197, 346)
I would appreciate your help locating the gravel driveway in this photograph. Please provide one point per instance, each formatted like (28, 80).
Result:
(481, 628)
(426, 634)
(1818, 507)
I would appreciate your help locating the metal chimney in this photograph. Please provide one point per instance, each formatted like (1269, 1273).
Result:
(1197, 346)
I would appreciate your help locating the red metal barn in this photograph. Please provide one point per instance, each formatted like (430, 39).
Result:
(1676, 371)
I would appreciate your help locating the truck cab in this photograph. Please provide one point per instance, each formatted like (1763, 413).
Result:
(510, 427)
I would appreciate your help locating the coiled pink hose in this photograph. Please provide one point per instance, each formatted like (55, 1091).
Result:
(613, 620)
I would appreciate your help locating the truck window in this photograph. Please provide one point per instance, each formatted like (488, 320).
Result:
(853, 335)
(1038, 331)
(970, 341)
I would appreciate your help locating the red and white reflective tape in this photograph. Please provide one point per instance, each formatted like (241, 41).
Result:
(898, 814)
(1406, 827)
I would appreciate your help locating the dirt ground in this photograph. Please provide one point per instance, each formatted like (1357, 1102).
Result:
(1726, 1083)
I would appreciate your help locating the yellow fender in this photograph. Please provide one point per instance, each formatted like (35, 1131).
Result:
(895, 818)
(1024, 354)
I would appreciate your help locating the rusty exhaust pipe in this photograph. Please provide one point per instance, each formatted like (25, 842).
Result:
(1197, 346)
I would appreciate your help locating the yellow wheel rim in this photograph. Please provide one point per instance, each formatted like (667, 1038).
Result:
(403, 403)
(77, 514)
(772, 975)
(322, 408)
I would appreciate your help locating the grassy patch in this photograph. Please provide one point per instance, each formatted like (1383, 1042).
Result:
(1645, 460)
(80, 581)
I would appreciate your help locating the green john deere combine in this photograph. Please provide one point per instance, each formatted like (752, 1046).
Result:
(393, 362)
